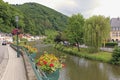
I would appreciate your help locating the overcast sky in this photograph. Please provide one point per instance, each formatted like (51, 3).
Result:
(108, 8)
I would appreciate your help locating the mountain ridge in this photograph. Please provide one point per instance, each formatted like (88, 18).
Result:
(34, 18)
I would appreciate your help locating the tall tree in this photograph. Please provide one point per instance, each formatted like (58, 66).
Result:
(96, 30)
(7, 17)
(75, 29)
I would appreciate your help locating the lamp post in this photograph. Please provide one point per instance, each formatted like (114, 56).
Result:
(17, 19)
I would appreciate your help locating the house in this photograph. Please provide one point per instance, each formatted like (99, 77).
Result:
(115, 29)
(29, 37)
(5, 37)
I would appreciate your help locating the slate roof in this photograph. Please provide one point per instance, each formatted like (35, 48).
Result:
(115, 22)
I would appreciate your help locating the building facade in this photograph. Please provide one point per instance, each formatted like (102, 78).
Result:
(115, 29)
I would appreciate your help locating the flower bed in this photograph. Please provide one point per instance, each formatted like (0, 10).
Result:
(31, 50)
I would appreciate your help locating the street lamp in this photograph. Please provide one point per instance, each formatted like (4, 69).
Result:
(17, 19)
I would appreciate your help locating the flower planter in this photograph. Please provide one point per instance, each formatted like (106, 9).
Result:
(33, 55)
(52, 76)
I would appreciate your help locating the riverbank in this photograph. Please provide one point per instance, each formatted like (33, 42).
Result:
(100, 56)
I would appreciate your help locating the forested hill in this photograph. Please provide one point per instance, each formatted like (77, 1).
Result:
(33, 18)
(38, 18)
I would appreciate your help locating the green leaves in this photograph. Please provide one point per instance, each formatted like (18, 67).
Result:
(33, 18)
(96, 30)
(74, 31)
(7, 17)
(38, 18)
(116, 56)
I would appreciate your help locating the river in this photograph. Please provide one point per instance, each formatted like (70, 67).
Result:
(82, 69)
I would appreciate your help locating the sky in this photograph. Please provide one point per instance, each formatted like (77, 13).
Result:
(88, 8)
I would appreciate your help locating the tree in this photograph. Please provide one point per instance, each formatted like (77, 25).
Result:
(116, 56)
(7, 17)
(96, 30)
(75, 29)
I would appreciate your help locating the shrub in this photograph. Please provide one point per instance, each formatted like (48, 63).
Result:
(111, 44)
(116, 56)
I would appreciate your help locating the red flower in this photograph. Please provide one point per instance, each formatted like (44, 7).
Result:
(15, 31)
(51, 65)
(45, 62)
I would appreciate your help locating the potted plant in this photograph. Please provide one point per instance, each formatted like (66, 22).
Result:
(32, 51)
(50, 64)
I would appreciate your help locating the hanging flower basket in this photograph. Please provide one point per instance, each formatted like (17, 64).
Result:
(50, 65)
(15, 31)
(52, 76)
(33, 55)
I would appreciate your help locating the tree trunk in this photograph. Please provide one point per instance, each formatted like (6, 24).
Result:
(78, 46)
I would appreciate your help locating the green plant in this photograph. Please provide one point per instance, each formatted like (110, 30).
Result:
(116, 56)
(111, 44)
(84, 52)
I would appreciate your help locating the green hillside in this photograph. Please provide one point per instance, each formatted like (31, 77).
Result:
(7, 17)
(33, 18)
(39, 18)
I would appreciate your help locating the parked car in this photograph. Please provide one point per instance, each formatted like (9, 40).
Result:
(4, 43)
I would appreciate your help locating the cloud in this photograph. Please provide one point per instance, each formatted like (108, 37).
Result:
(108, 8)
(67, 7)
(84, 7)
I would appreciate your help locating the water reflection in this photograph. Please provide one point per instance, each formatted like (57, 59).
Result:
(81, 69)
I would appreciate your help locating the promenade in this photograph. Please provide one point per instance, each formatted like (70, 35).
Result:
(13, 67)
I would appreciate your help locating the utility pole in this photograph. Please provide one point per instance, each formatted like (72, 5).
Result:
(17, 19)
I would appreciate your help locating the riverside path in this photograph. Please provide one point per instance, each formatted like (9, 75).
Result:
(11, 67)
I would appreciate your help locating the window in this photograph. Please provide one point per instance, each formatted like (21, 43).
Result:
(116, 28)
(113, 34)
(113, 28)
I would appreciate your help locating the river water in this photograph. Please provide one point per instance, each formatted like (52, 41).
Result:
(82, 69)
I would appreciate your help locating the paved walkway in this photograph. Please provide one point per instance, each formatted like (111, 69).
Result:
(15, 67)
(3, 59)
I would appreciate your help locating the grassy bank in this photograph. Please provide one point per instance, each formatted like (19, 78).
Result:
(100, 56)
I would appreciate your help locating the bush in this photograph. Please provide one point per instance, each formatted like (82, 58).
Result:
(111, 44)
(116, 56)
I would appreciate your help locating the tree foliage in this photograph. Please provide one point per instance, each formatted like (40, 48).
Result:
(38, 18)
(116, 56)
(33, 18)
(96, 30)
(7, 17)
(74, 30)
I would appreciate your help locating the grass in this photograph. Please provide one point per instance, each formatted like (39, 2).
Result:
(100, 56)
